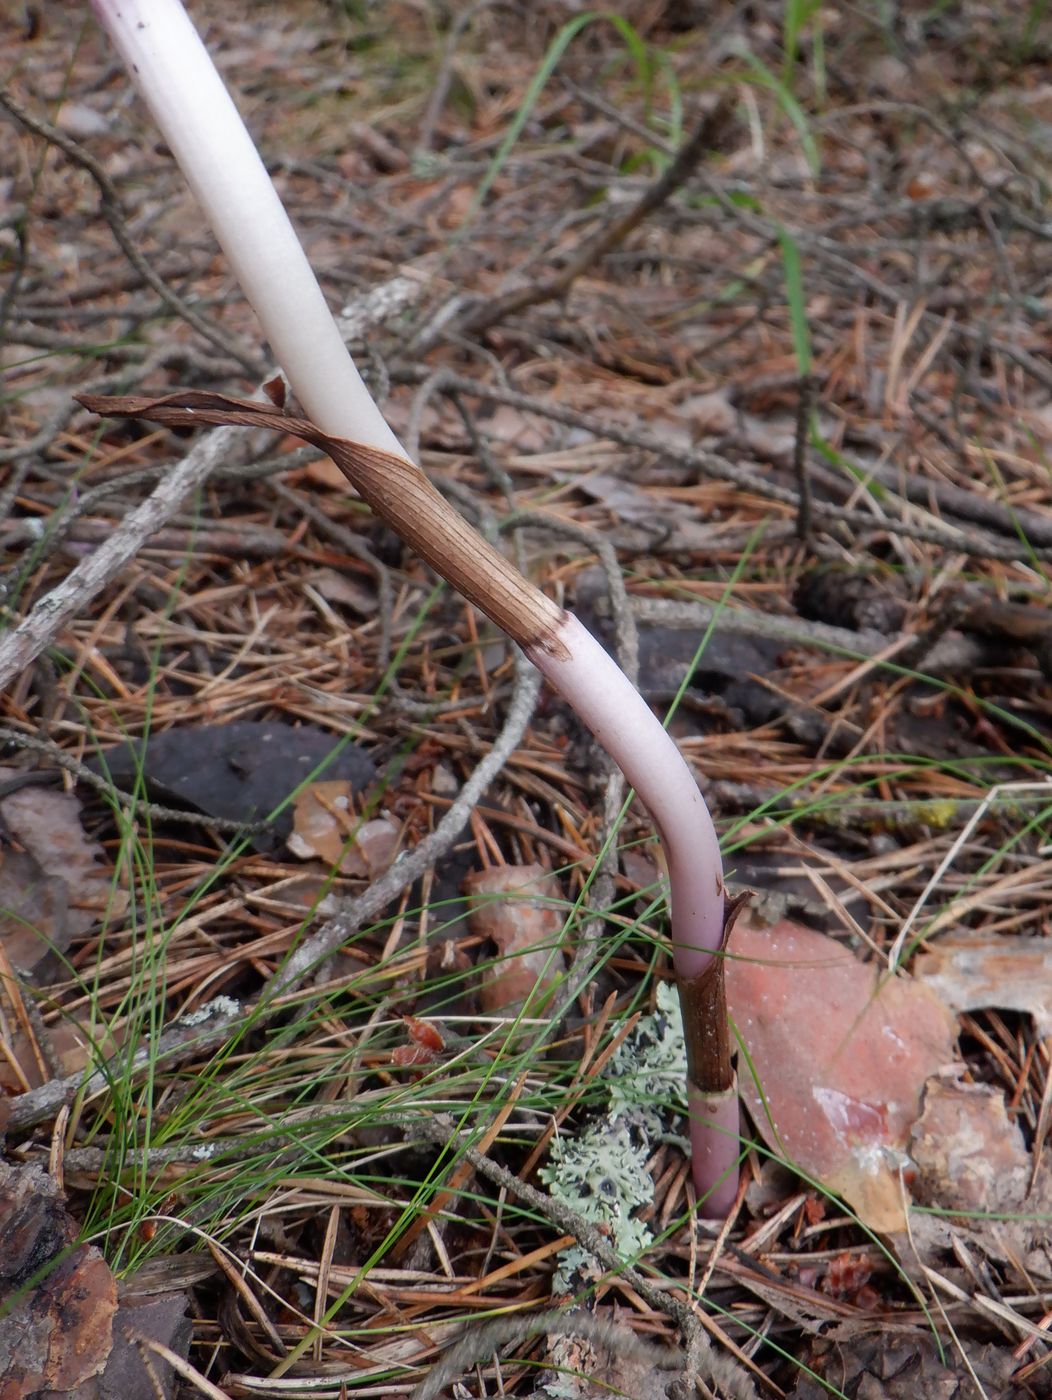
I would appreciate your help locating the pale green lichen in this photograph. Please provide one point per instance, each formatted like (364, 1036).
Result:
(937, 813)
(648, 1073)
(601, 1173)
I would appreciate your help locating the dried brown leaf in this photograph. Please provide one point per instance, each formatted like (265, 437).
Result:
(973, 973)
(895, 1366)
(840, 1057)
(59, 885)
(518, 907)
(336, 587)
(326, 827)
(969, 1155)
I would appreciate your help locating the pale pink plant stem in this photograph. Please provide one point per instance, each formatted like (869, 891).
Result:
(191, 105)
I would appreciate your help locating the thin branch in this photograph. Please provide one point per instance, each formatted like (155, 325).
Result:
(410, 866)
(139, 806)
(184, 1038)
(24, 643)
(975, 545)
(111, 210)
(175, 1045)
(702, 138)
(442, 1132)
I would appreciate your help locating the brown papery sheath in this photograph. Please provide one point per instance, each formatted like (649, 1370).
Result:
(396, 490)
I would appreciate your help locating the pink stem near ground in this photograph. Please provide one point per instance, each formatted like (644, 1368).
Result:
(715, 1148)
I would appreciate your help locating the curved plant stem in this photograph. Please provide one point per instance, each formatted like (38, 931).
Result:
(198, 118)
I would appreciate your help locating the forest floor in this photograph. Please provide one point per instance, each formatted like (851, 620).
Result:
(287, 1113)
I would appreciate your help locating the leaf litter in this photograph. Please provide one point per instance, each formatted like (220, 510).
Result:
(838, 1057)
(55, 883)
(243, 771)
(659, 407)
(520, 910)
(325, 827)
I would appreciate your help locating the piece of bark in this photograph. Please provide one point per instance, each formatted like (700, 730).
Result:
(56, 1325)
